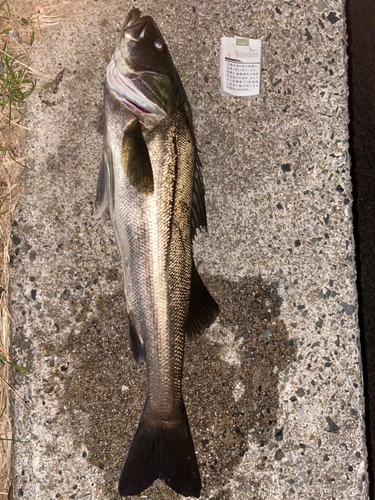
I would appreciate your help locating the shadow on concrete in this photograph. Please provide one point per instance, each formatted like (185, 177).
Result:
(230, 383)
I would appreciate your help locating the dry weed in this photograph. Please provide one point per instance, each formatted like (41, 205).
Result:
(49, 13)
(20, 22)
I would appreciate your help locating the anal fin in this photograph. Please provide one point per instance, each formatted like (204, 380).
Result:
(136, 342)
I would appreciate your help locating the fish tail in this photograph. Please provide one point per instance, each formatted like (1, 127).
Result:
(160, 452)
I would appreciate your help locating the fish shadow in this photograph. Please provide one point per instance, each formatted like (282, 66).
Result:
(231, 377)
(230, 384)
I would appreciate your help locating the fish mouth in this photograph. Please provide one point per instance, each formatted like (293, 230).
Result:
(133, 15)
(135, 26)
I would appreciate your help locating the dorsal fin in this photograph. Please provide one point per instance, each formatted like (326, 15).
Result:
(198, 208)
(203, 307)
(135, 158)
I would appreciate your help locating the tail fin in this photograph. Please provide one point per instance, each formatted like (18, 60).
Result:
(161, 453)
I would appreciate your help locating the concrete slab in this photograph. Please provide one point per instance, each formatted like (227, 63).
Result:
(274, 388)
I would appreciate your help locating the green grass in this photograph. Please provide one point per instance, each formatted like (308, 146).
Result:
(16, 85)
(4, 360)
(4, 9)
(16, 82)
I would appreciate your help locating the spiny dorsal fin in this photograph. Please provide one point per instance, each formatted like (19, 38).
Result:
(135, 158)
(203, 308)
(198, 208)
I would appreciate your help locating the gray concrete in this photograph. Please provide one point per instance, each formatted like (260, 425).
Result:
(274, 388)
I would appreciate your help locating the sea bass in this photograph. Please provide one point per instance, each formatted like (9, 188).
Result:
(151, 179)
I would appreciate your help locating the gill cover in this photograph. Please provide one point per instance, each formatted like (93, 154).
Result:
(141, 64)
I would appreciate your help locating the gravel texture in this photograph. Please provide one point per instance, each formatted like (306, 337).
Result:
(274, 388)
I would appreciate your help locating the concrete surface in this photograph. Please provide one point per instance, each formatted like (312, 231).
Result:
(274, 388)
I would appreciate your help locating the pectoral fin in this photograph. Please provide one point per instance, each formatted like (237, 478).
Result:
(101, 190)
(135, 158)
(103, 187)
(203, 307)
(198, 209)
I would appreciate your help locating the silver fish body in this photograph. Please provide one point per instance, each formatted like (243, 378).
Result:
(150, 177)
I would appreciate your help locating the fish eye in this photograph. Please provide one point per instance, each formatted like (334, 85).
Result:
(158, 45)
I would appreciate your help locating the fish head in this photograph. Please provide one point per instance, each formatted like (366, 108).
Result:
(142, 70)
(142, 47)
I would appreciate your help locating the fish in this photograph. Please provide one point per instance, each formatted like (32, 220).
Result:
(150, 178)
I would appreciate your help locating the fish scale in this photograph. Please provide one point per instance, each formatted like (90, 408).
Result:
(164, 399)
(150, 177)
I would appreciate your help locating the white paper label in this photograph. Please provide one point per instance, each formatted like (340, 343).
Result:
(240, 64)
